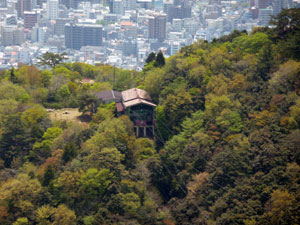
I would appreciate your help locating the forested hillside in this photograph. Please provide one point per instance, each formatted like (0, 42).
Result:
(226, 147)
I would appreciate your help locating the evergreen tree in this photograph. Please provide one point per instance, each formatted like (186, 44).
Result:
(13, 77)
(69, 152)
(48, 176)
(160, 59)
(14, 141)
(151, 57)
(266, 61)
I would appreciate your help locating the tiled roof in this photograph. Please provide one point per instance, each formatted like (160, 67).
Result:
(128, 98)
(126, 23)
(109, 95)
(136, 102)
(120, 107)
(135, 93)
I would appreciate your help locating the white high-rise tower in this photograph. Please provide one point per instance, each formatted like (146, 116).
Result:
(52, 9)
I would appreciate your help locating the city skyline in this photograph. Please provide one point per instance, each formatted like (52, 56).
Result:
(121, 32)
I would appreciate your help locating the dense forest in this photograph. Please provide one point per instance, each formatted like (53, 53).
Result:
(226, 148)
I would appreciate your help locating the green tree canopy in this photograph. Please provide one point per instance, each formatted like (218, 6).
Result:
(51, 59)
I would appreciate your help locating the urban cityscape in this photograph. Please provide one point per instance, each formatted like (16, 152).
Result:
(121, 33)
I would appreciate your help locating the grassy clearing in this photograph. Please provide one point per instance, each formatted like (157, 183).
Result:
(68, 114)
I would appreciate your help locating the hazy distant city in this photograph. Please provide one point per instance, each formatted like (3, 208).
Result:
(121, 32)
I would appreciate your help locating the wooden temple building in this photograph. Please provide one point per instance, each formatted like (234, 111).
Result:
(137, 104)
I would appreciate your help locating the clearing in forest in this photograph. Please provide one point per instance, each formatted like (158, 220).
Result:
(68, 114)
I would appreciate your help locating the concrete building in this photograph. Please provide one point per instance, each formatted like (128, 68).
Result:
(211, 2)
(110, 18)
(11, 19)
(12, 35)
(262, 4)
(130, 48)
(52, 9)
(79, 35)
(175, 11)
(23, 5)
(116, 7)
(177, 25)
(72, 3)
(157, 25)
(86, 7)
(279, 5)
(11, 7)
(43, 35)
(59, 27)
(24, 55)
(3, 3)
(67, 3)
(34, 34)
(190, 25)
(129, 4)
(264, 15)
(40, 2)
(30, 19)
(213, 12)
(174, 47)
(145, 4)
(130, 29)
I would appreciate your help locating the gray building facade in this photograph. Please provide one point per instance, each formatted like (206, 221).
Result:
(79, 35)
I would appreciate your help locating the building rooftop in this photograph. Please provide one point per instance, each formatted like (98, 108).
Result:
(135, 93)
(126, 23)
(136, 102)
(109, 95)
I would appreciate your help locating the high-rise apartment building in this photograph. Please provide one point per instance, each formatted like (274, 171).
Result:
(52, 9)
(59, 27)
(23, 5)
(40, 2)
(264, 15)
(75, 3)
(175, 47)
(116, 7)
(130, 47)
(3, 3)
(67, 3)
(129, 4)
(279, 5)
(30, 19)
(184, 10)
(157, 25)
(262, 4)
(79, 35)
(12, 35)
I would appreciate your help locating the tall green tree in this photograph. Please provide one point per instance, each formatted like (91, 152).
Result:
(51, 59)
(160, 59)
(287, 33)
(151, 57)
(14, 141)
(87, 102)
(48, 176)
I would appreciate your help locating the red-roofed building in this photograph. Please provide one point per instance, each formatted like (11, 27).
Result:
(126, 23)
